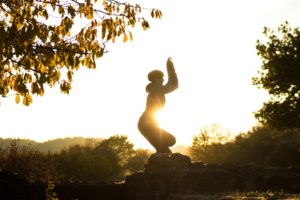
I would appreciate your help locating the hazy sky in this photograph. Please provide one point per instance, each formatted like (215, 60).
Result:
(213, 47)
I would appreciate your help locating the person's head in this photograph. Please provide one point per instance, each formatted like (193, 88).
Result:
(156, 76)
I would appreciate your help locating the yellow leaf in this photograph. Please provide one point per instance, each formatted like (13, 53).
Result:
(19, 25)
(27, 100)
(41, 92)
(58, 74)
(130, 36)
(44, 3)
(61, 11)
(69, 75)
(125, 39)
(152, 13)
(17, 98)
(90, 16)
(43, 69)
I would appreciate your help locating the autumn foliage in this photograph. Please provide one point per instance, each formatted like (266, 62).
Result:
(43, 42)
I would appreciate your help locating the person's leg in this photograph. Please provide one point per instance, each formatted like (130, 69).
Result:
(160, 139)
(166, 140)
(150, 131)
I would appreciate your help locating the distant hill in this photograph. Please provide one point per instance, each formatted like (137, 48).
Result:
(53, 146)
(56, 145)
(4, 143)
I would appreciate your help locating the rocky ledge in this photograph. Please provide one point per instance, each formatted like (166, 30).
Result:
(164, 178)
(168, 176)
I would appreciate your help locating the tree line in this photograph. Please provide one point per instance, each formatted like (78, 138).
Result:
(276, 142)
(261, 146)
(53, 146)
(107, 159)
(113, 158)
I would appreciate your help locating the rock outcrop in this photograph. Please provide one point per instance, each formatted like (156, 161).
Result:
(168, 176)
(164, 178)
(15, 186)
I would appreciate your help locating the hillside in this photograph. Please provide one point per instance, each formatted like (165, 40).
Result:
(52, 146)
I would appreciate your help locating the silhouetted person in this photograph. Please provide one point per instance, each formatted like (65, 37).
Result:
(160, 139)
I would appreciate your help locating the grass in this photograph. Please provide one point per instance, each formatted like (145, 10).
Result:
(237, 196)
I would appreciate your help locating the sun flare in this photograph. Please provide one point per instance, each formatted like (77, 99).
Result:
(162, 119)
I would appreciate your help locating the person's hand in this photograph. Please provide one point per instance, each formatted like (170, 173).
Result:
(170, 61)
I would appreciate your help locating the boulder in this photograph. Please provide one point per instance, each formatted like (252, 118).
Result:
(17, 187)
(166, 176)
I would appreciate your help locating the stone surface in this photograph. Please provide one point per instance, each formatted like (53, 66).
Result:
(15, 186)
(164, 163)
(89, 191)
(165, 176)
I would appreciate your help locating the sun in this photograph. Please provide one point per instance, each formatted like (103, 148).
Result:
(163, 119)
(180, 126)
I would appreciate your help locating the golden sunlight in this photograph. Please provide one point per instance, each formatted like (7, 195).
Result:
(161, 119)
(175, 123)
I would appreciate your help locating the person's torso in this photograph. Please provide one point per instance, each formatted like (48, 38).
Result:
(155, 100)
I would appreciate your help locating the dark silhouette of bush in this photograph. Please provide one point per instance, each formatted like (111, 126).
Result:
(29, 162)
(260, 146)
(138, 160)
(95, 160)
(106, 160)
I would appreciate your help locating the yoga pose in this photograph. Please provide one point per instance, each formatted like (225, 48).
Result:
(160, 139)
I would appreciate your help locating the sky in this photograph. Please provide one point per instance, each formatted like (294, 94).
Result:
(212, 44)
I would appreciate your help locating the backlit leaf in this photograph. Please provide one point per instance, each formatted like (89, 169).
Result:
(40, 49)
(17, 99)
(43, 68)
(27, 100)
(131, 36)
(125, 38)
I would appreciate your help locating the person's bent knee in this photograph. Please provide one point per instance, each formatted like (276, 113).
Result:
(172, 141)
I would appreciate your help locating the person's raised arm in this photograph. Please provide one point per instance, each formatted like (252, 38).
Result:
(172, 83)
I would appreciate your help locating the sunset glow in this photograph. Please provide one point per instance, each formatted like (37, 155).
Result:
(213, 46)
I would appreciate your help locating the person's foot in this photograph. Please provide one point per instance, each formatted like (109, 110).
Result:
(160, 155)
